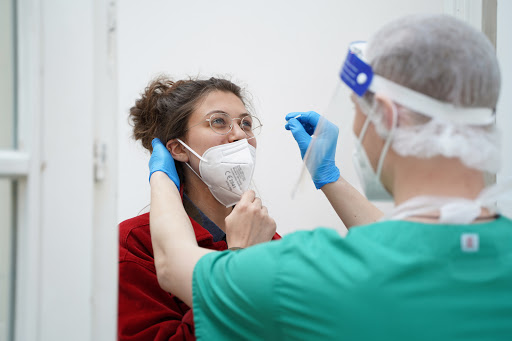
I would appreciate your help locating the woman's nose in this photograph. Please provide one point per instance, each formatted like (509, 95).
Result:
(236, 133)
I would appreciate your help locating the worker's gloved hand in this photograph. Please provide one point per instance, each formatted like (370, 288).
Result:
(321, 163)
(161, 160)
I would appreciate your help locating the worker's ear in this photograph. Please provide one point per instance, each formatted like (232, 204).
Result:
(388, 110)
(178, 152)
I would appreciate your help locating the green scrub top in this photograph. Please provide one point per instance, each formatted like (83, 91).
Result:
(393, 280)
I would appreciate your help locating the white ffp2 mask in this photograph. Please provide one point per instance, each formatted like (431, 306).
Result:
(226, 169)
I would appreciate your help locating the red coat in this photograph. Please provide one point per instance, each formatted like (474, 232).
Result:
(145, 311)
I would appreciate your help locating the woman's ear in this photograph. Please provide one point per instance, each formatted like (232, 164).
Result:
(177, 150)
(388, 109)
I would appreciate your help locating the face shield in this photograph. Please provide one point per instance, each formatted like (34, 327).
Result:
(359, 76)
(451, 131)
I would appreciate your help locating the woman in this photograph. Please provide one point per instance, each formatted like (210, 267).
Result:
(195, 119)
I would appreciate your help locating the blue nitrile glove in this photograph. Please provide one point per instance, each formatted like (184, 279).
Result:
(302, 128)
(161, 160)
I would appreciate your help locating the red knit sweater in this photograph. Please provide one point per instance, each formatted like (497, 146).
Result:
(145, 311)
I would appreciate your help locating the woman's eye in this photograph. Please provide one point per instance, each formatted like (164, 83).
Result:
(247, 122)
(218, 122)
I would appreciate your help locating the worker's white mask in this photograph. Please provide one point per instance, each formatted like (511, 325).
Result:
(370, 179)
(226, 169)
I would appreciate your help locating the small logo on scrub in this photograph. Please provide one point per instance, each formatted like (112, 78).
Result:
(469, 242)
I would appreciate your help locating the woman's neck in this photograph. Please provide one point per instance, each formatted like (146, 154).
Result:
(201, 196)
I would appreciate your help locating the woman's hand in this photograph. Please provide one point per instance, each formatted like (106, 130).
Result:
(249, 223)
(161, 160)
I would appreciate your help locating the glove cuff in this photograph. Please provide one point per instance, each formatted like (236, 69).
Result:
(176, 182)
(333, 176)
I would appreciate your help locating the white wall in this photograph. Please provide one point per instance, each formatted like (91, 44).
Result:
(288, 53)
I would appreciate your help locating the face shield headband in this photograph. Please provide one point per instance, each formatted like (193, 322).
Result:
(359, 76)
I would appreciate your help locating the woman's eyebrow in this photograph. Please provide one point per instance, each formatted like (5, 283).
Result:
(217, 111)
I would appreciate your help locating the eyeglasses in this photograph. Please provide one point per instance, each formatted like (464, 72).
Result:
(222, 124)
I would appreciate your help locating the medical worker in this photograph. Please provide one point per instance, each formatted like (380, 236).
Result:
(439, 267)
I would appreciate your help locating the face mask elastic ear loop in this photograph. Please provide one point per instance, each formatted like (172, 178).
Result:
(256, 190)
(200, 158)
(192, 151)
(189, 166)
(363, 130)
(388, 141)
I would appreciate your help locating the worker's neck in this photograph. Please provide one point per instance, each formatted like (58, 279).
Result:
(436, 176)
